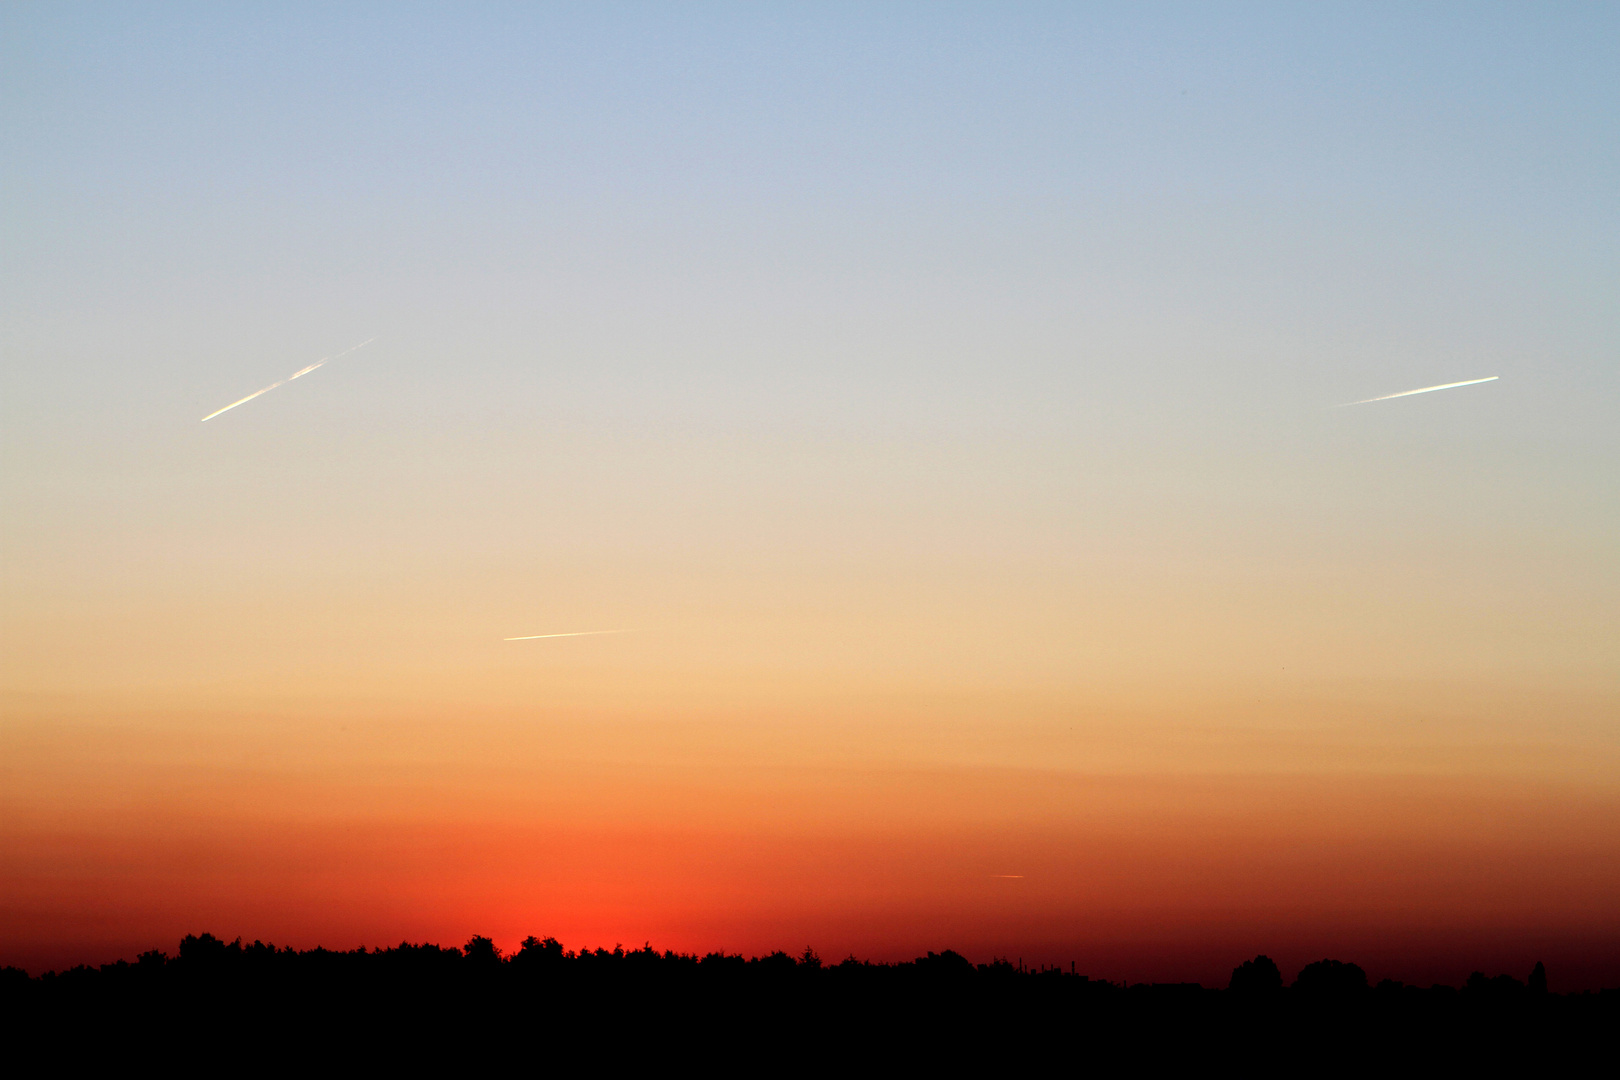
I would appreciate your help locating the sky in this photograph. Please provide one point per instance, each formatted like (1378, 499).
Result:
(941, 398)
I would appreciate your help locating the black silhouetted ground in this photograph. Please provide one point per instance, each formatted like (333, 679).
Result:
(239, 1007)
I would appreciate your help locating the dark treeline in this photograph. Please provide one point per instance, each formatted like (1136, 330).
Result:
(428, 1001)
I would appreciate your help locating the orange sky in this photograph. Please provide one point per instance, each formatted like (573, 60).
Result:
(370, 828)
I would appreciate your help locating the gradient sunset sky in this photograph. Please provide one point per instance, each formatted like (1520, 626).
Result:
(940, 396)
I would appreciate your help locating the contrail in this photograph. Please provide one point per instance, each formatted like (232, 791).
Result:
(250, 397)
(576, 633)
(288, 379)
(1409, 393)
(1007, 875)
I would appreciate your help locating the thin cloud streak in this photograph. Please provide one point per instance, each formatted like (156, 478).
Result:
(1424, 390)
(576, 633)
(288, 379)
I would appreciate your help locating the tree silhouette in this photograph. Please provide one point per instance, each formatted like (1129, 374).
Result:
(939, 1008)
(538, 952)
(1331, 978)
(482, 952)
(1257, 976)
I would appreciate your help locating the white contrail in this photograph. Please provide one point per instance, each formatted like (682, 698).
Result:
(1425, 390)
(250, 397)
(334, 356)
(288, 379)
(576, 633)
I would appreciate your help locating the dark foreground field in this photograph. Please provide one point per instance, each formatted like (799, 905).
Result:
(236, 1006)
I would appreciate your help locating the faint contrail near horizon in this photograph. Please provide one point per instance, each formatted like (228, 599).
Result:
(1425, 390)
(576, 633)
(288, 379)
